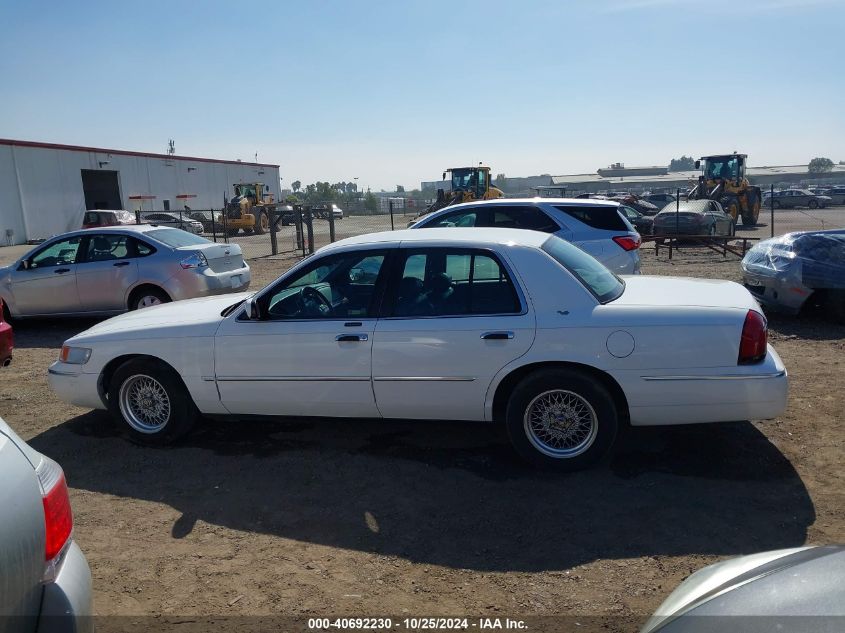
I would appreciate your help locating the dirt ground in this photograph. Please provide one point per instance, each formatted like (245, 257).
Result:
(368, 518)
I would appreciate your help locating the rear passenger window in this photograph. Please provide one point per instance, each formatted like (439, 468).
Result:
(598, 217)
(449, 282)
(142, 248)
(522, 217)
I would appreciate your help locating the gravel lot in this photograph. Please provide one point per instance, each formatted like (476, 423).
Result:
(304, 517)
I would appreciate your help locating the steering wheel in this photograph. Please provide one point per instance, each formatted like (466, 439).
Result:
(311, 294)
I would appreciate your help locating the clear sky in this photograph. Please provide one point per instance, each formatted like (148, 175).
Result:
(394, 91)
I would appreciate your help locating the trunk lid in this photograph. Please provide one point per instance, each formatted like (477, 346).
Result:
(221, 257)
(644, 290)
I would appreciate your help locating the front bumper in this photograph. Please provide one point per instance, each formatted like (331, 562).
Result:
(204, 282)
(67, 604)
(73, 386)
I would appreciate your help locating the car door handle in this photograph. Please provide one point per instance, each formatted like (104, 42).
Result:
(497, 336)
(120, 264)
(61, 271)
(343, 338)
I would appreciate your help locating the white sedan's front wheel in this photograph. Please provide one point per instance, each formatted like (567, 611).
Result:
(560, 419)
(150, 400)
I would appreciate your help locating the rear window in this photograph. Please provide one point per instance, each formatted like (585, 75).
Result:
(176, 237)
(604, 285)
(606, 218)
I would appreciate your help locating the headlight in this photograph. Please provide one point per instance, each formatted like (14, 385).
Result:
(194, 260)
(74, 355)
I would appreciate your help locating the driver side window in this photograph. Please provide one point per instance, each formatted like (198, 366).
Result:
(332, 287)
(59, 253)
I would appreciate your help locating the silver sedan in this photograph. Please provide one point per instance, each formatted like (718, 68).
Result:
(109, 270)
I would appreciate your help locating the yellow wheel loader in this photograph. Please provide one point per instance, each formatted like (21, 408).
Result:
(723, 179)
(250, 209)
(468, 183)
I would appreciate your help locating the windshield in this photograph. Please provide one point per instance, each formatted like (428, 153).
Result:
(461, 179)
(725, 168)
(604, 285)
(176, 237)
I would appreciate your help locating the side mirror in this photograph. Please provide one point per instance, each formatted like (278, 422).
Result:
(253, 311)
(697, 164)
(25, 265)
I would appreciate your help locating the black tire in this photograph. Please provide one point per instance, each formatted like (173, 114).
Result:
(834, 305)
(776, 204)
(813, 204)
(140, 297)
(231, 232)
(137, 374)
(582, 392)
(260, 220)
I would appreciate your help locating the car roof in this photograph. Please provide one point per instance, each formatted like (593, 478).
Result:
(120, 228)
(582, 202)
(471, 236)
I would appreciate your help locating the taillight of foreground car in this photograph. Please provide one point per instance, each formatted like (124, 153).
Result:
(627, 242)
(194, 260)
(755, 336)
(58, 519)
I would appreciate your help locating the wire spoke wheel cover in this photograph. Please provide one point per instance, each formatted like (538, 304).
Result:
(144, 403)
(560, 424)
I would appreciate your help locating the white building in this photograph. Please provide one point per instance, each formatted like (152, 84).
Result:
(46, 188)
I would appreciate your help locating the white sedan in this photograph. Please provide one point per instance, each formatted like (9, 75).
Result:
(494, 325)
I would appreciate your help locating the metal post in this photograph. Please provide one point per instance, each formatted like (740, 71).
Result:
(309, 226)
(213, 227)
(297, 221)
(772, 208)
(390, 206)
(274, 246)
(225, 228)
(331, 223)
(138, 216)
(677, 215)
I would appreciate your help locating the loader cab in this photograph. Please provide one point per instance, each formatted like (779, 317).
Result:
(472, 179)
(722, 167)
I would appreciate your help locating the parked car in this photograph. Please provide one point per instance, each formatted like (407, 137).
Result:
(659, 200)
(337, 212)
(110, 270)
(7, 340)
(211, 222)
(641, 222)
(45, 579)
(694, 217)
(792, 198)
(596, 226)
(836, 195)
(101, 217)
(800, 590)
(186, 223)
(790, 271)
(496, 325)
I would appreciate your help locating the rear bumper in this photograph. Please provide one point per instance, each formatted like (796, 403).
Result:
(66, 604)
(192, 282)
(6, 343)
(779, 293)
(756, 392)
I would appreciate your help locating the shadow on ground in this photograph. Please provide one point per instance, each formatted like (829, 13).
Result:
(41, 333)
(453, 494)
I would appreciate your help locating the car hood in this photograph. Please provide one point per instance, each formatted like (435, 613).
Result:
(197, 317)
(645, 290)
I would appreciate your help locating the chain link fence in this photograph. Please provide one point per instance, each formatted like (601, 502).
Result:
(301, 229)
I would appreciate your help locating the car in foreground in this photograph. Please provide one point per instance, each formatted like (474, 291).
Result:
(694, 217)
(495, 325)
(110, 270)
(44, 577)
(800, 590)
(105, 217)
(7, 340)
(792, 198)
(596, 226)
(186, 223)
(786, 273)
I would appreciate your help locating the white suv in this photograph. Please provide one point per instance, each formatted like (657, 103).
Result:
(596, 226)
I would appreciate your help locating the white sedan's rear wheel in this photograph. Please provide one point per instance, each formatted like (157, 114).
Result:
(560, 419)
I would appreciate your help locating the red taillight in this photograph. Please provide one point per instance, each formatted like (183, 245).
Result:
(752, 343)
(58, 519)
(627, 242)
